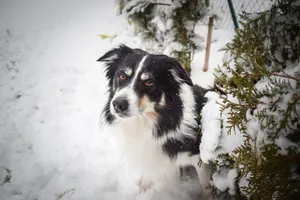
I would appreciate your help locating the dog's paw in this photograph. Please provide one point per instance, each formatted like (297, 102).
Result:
(144, 184)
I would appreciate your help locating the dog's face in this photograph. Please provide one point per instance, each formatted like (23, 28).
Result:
(142, 84)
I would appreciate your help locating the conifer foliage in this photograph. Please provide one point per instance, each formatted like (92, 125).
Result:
(167, 26)
(261, 77)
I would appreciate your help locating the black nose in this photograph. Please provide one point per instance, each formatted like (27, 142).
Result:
(120, 104)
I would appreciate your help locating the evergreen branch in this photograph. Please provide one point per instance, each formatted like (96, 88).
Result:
(287, 114)
(274, 74)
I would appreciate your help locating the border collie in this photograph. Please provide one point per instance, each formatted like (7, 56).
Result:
(154, 108)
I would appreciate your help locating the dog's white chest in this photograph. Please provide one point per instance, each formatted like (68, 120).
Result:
(142, 152)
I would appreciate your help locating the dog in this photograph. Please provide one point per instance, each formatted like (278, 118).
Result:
(154, 107)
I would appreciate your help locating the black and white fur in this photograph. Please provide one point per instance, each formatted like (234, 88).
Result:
(154, 107)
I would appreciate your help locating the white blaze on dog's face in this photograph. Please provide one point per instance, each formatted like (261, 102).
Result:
(142, 83)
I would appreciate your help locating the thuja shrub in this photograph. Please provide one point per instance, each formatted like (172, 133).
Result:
(261, 79)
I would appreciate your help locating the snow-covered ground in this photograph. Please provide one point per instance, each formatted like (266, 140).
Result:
(51, 93)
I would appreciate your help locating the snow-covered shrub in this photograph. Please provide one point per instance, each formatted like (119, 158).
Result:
(167, 26)
(261, 77)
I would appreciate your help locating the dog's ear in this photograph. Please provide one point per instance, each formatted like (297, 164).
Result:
(115, 54)
(112, 58)
(180, 74)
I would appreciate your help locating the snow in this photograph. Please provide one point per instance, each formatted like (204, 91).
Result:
(225, 180)
(50, 101)
(215, 137)
(51, 93)
(211, 128)
(229, 141)
(283, 143)
(244, 181)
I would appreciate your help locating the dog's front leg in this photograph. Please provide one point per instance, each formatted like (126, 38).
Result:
(144, 184)
(204, 173)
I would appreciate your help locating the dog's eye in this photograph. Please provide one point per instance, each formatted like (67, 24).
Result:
(149, 83)
(122, 76)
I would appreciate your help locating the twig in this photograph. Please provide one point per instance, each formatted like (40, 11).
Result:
(161, 4)
(61, 195)
(296, 98)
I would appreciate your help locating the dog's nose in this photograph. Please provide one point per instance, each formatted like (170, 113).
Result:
(120, 104)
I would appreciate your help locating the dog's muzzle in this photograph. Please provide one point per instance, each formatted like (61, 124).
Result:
(121, 105)
(124, 104)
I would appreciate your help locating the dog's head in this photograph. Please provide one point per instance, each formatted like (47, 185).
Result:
(143, 84)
